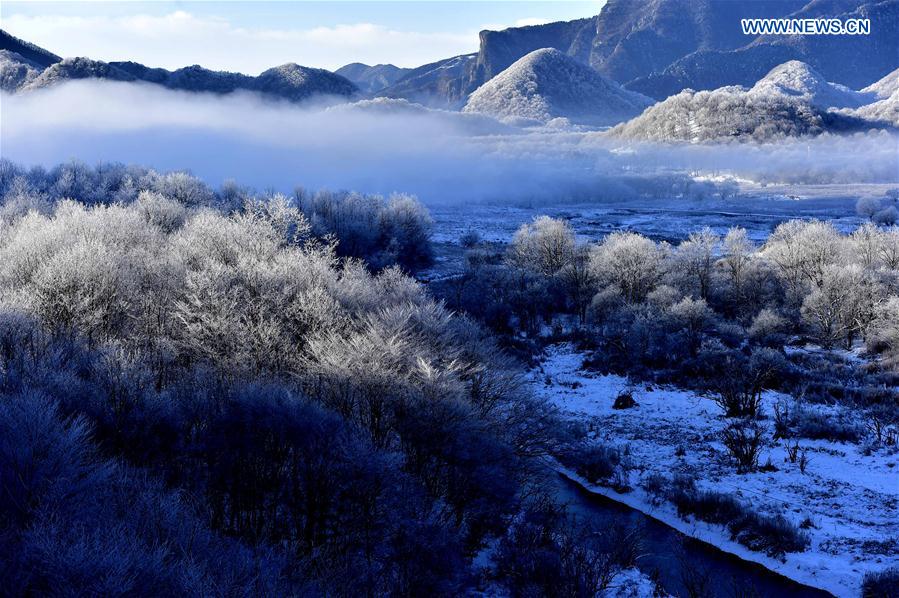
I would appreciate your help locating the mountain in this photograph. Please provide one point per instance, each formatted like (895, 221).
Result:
(77, 68)
(547, 84)
(371, 79)
(295, 82)
(289, 81)
(659, 47)
(762, 113)
(16, 70)
(883, 111)
(796, 79)
(851, 60)
(499, 49)
(636, 39)
(885, 87)
(26, 50)
(442, 84)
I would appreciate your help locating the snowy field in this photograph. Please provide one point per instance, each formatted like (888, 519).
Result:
(850, 498)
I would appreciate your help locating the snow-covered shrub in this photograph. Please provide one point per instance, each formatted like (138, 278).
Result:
(383, 232)
(769, 328)
(887, 216)
(866, 207)
(815, 425)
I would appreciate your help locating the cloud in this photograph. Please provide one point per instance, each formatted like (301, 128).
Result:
(180, 38)
(387, 146)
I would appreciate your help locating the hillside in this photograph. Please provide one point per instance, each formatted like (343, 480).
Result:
(733, 113)
(885, 87)
(371, 79)
(795, 79)
(548, 84)
(16, 70)
(442, 84)
(35, 54)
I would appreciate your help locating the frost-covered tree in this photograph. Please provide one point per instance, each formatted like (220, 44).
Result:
(802, 251)
(695, 259)
(630, 262)
(545, 245)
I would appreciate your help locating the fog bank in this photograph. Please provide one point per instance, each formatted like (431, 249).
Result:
(391, 146)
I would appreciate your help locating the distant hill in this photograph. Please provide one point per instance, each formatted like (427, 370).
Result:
(547, 84)
(77, 68)
(443, 84)
(26, 50)
(288, 81)
(371, 79)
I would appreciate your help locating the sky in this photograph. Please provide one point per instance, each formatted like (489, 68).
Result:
(250, 37)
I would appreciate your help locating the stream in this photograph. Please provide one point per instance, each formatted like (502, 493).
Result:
(683, 566)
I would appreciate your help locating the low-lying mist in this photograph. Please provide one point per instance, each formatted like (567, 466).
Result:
(386, 146)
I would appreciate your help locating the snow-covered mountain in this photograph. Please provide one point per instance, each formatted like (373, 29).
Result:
(795, 79)
(295, 83)
(787, 104)
(548, 84)
(288, 81)
(77, 68)
(16, 70)
(659, 47)
(372, 79)
(883, 111)
(34, 54)
(884, 88)
(852, 60)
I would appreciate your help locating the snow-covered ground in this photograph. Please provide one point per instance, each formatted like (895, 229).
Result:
(851, 498)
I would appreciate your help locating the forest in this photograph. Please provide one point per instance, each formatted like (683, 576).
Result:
(224, 392)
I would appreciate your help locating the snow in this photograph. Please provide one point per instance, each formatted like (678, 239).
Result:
(851, 498)
(885, 110)
(792, 100)
(547, 84)
(798, 80)
(630, 583)
(885, 87)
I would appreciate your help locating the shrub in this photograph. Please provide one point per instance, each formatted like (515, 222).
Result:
(546, 553)
(881, 584)
(470, 239)
(624, 400)
(819, 426)
(775, 536)
(595, 462)
(713, 507)
(743, 440)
